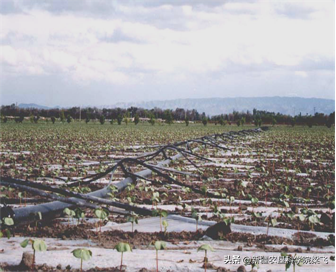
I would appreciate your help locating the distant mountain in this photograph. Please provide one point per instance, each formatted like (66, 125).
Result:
(214, 106)
(32, 105)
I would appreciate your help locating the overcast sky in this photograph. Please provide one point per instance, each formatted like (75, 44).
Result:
(101, 52)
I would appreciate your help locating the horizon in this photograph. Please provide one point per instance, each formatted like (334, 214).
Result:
(96, 53)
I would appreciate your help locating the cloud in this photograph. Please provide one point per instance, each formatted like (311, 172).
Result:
(301, 73)
(136, 46)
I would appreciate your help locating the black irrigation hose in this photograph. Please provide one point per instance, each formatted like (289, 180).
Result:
(55, 208)
(76, 198)
(152, 155)
(31, 188)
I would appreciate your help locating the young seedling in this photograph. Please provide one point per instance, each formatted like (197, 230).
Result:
(113, 189)
(133, 218)
(83, 254)
(101, 214)
(69, 213)
(205, 248)
(256, 216)
(155, 199)
(196, 216)
(165, 225)
(79, 214)
(7, 221)
(270, 220)
(160, 213)
(20, 196)
(122, 247)
(37, 245)
(5, 232)
(227, 220)
(253, 264)
(159, 245)
(291, 260)
(231, 200)
(204, 190)
(254, 200)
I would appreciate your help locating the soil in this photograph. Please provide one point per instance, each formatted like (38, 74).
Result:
(108, 239)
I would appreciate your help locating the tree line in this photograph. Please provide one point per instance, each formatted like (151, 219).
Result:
(134, 114)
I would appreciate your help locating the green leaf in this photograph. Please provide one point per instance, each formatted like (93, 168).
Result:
(79, 213)
(8, 221)
(226, 221)
(301, 217)
(66, 211)
(165, 223)
(24, 243)
(39, 216)
(123, 247)
(39, 245)
(163, 213)
(290, 215)
(82, 253)
(101, 213)
(205, 247)
(155, 212)
(159, 245)
(72, 213)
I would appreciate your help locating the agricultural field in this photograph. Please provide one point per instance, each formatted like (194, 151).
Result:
(231, 201)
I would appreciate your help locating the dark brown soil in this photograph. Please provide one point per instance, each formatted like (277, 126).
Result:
(109, 239)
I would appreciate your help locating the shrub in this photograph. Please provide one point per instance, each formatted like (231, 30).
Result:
(204, 121)
(62, 116)
(152, 121)
(102, 119)
(119, 119)
(187, 121)
(136, 119)
(169, 117)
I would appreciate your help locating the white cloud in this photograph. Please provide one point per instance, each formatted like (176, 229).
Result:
(301, 73)
(145, 44)
(8, 55)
